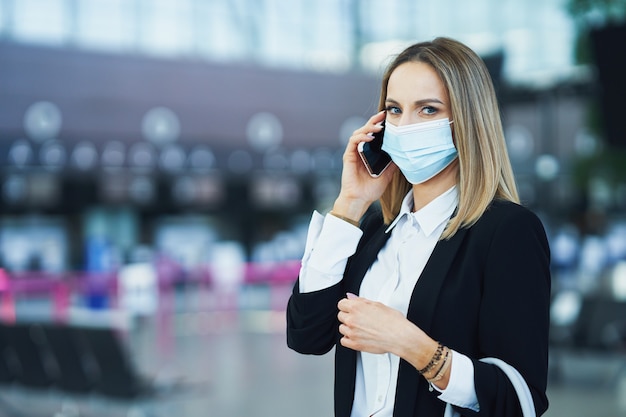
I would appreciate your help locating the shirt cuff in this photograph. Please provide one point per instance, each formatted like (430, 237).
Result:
(330, 242)
(460, 390)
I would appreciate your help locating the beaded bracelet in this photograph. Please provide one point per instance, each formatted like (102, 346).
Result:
(433, 361)
(442, 370)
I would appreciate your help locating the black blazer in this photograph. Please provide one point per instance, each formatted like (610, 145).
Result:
(484, 293)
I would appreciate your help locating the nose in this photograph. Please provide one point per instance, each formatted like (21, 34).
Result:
(407, 119)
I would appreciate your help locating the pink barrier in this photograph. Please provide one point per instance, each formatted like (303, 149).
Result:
(60, 287)
(7, 305)
(35, 283)
(279, 276)
(273, 273)
(286, 273)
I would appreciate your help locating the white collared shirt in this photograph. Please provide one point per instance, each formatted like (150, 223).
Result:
(390, 280)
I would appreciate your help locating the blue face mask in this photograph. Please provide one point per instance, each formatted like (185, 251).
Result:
(420, 150)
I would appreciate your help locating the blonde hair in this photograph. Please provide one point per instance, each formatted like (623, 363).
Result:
(485, 171)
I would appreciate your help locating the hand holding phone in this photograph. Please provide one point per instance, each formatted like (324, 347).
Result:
(375, 159)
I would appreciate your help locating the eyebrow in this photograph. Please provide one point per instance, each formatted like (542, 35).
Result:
(418, 102)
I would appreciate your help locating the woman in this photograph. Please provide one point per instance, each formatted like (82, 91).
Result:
(451, 271)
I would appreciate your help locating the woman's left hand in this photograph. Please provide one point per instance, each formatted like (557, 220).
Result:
(370, 326)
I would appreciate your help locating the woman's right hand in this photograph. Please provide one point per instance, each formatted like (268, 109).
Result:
(358, 188)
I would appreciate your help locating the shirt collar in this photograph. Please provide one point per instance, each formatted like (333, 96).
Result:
(431, 215)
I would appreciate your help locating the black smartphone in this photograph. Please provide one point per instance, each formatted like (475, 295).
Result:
(375, 159)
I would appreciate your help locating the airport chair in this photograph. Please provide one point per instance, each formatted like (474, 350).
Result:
(76, 369)
(27, 357)
(601, 326)
(117, 374)
(6, 376)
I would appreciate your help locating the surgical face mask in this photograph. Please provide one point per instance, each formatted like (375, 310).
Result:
(420, 150)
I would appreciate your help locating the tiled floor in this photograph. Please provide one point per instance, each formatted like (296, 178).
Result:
(244, 369)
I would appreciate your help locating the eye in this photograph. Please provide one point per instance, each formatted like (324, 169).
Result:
(428, 110)
(393, 110)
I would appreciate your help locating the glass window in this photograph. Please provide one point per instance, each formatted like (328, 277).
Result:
(228, 30)
(4, 18)
(166, 26)
(323, 35)
(41, 21)
(106, 24)
(278, 47)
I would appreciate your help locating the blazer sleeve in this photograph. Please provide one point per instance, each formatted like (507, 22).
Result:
(514, 314)
(312, 324)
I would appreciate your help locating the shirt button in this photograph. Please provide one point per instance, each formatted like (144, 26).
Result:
(380, 398)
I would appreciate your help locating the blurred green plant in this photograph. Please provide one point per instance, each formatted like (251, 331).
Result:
(609, 163)
(609, 9)
(591, 14)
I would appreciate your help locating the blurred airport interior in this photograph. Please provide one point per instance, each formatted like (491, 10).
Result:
(160, 160)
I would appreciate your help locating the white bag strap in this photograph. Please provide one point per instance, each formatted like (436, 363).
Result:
(521, 388)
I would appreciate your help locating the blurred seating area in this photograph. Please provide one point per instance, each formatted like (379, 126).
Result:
(588, 311)
(69, 339)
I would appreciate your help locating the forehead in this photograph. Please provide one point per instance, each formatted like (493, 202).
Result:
(415, 81)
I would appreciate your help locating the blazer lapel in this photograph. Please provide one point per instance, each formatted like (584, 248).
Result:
(364, 258)
(421, 310)
(345, 359)
(426, 291)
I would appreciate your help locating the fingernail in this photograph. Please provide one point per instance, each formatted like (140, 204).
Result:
(351, 296)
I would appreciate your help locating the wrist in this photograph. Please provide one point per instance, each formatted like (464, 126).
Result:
(345, 219)
(350, 210)
(433, 361)
(415, 346)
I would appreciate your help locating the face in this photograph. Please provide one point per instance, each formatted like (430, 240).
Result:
(416, 94)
